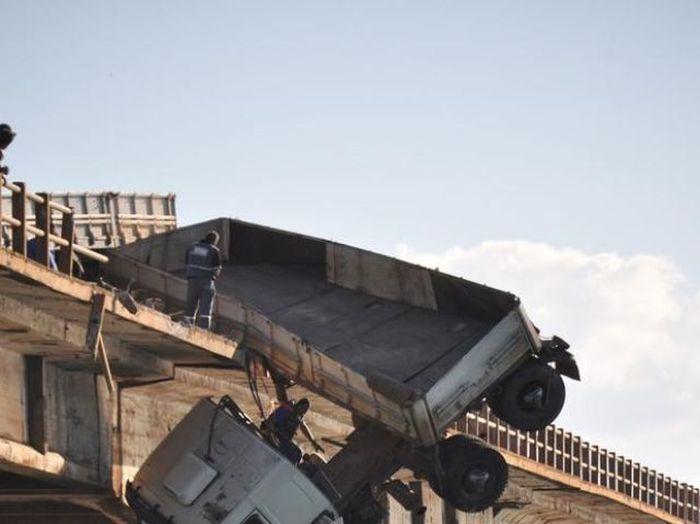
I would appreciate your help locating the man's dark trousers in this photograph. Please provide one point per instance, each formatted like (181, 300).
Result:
(200, 301)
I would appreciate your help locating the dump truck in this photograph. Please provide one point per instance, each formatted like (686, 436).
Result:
(407, 349)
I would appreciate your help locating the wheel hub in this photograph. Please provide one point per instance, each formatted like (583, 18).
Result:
(475, 479)
(535, 397)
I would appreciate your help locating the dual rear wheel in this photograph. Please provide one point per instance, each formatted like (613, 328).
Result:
(531, 398)
(471, 476)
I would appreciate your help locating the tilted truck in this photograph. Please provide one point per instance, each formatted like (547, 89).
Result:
(407, 349)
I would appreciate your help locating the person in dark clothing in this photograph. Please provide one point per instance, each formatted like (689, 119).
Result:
(283, 423)
(203, 262)
(33, 253)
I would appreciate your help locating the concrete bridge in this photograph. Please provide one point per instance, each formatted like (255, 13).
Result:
(81, 413)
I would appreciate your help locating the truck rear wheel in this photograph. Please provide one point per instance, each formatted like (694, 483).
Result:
(473, 474)
(531, 398)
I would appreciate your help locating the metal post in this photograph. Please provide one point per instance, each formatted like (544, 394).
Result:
(19, 212)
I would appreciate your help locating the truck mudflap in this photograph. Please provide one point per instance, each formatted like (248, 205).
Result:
(144, 512)
(555, 350)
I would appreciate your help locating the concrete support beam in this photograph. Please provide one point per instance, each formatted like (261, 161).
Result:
(40, 326)
(12, 396)
(571, 495)
(146, 317)
(23, 459)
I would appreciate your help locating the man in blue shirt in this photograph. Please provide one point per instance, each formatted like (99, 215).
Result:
(203, 262)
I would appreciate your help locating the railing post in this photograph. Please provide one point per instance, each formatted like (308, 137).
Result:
(646, 476)
(558, 459)
(19, 212)
(653, 488)
(674, 497)
(636, 481)
(585, 461)
(43, 222)
(595, 465)
(65, 255)
(550, 446)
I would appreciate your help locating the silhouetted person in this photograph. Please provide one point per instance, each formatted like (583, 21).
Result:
(203, 262)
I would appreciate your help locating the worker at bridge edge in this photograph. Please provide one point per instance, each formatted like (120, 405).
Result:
(203, 262)
(281, 427)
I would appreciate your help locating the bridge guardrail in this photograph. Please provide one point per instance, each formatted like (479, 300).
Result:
(43, 229)
(106, 219)
(559, 449)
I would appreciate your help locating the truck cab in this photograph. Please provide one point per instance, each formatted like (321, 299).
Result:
(215, 467)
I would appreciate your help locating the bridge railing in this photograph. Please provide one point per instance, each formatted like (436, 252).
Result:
(106, 219)
(569, 454)
(42, 229)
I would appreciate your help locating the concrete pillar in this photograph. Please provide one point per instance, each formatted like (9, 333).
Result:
(397, 515)
(12, 396)
(485, 517)
(435, 507)
(74, 421)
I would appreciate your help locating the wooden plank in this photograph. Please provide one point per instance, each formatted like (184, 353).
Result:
(379, 275)
(65, 256)
(43, 222)
(94, 329)
(19, 233)
(104, 363)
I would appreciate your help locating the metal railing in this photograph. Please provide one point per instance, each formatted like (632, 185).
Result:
(42, 229)
(569, 454)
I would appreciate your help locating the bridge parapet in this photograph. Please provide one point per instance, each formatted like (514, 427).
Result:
(569, 459)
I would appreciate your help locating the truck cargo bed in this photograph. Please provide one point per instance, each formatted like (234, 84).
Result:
(366, 333)
(404, 345)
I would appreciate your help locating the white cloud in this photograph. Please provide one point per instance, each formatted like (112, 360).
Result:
(633, 323)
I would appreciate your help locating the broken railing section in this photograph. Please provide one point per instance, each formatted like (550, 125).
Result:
(556, 448)
(45, 209)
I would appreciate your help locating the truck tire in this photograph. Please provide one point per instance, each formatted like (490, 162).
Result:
(474, 475)
(531, 398)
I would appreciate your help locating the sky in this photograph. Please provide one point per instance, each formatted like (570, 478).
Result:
(549, 148)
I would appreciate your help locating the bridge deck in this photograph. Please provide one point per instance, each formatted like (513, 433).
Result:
(45, 313)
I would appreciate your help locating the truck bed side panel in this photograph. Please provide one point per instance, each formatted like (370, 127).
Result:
(502, 349)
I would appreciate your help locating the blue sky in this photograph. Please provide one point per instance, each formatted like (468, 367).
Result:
(431, 124)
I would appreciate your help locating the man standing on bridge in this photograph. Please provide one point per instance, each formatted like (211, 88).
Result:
(203, 262)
